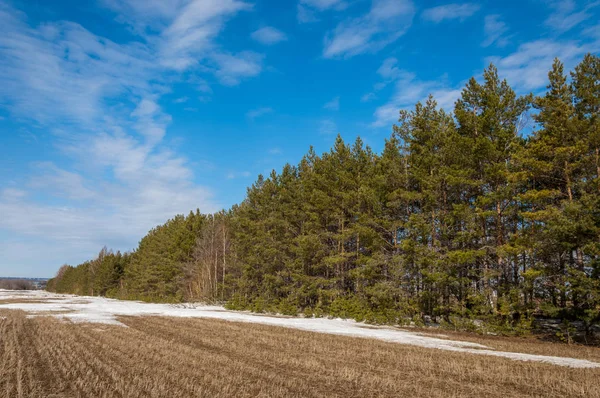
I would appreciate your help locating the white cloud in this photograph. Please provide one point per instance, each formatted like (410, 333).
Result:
(527, 68)
(408, 93)
(253, 114)
(232, 68)
(145, 108)
(389, 72)
(59, 182)
(592, 32)
(275, 151)
(182, 34)
(388, 69)
(386, 21)
(204, 87)
(494, 29)
(62, 70)
(322, 5)
(328, 127)
(450, 11)
(101, 103)
(368, 97)
(333, 105)
(150, 121)
(305, 14)
(566, 14)
(145, 15)
(190, 36)
(307, 9)
(119, 214)
(149, 185)
(408, 90)
(200, 84)
(181, 100)
(268, 35)
(12, 194)
(242, 174)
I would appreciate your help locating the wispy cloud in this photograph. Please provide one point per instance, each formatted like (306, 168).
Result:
(325, 4)
(307, 9)
(253, 114)
(59, 182)
(389, 72)
(494, 29)
(201, 85)
(333, 105)
(12, 194)
(305, 14)
(408, 90)
(150, 185)
(145, 15)
(150, 121)
(27, 135)
(328, 127)
(190, 35)
(239, 174)
(527, 68)
(386, 21)
(368, 97)
(233, 68)
(268, 35)
(183, 33)
(118, 177)
(450, 11)
(61, 70)
(567, 14)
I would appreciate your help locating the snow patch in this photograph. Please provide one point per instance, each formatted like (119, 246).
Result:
(105, 311)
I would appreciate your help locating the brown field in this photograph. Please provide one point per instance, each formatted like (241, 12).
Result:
(22, 301)
(167, 357)
(533, 344)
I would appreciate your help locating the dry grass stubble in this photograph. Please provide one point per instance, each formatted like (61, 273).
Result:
(166, 357)
(528, 345)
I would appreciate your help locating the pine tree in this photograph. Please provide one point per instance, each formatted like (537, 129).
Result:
(489, 116)
(586, 89)
(461, 216)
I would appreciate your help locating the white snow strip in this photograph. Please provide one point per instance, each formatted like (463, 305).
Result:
(103, 310)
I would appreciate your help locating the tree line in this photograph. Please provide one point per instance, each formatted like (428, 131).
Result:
(16, 284)
(490, 212)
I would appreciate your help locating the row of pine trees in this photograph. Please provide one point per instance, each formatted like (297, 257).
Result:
(491, 212)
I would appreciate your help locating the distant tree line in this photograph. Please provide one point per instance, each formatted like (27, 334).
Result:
(476, 214)
(16, 284)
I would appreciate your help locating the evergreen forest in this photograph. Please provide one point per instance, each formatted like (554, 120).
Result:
(490, 212)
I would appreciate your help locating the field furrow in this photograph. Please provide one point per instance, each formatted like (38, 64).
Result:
(183, 357)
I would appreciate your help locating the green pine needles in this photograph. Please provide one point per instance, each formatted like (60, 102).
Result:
(487, 215)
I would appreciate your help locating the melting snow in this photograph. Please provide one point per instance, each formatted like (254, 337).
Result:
(106, 311)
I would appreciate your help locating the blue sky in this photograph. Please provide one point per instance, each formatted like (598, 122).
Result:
(116, 115)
